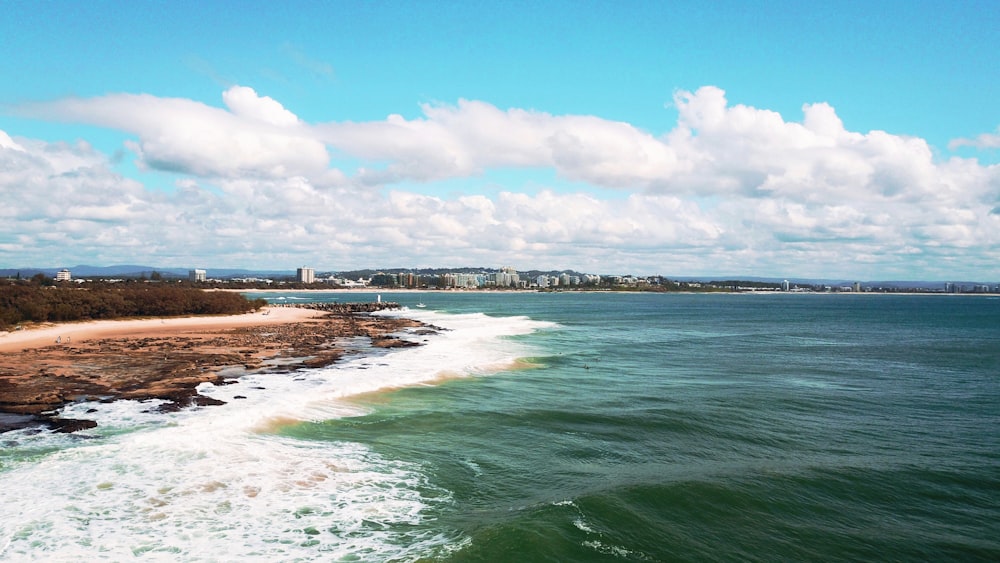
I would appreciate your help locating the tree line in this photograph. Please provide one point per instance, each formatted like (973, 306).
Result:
(40, 302)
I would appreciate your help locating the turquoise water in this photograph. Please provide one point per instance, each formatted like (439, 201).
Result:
(561, 427)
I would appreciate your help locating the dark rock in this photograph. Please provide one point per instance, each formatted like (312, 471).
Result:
(67, 425)
(392, 342)
(203, 401)
(171, 406)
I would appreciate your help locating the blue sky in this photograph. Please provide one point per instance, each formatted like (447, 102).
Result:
(646, 137)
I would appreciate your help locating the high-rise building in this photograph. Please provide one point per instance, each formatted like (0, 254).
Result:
(197, 275)
(63, 275)
(507, 277)
(305, 275)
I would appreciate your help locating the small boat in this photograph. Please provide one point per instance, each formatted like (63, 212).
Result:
(420, 305)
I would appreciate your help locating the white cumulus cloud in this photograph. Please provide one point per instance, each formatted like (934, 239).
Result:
(473, 136)
(244, 102)
(729, 189)
(257, 137)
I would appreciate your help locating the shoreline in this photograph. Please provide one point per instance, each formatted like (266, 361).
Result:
(46, 368)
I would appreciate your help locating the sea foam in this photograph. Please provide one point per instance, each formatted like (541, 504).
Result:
(217, 483)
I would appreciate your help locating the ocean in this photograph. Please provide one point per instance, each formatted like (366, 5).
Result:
(557, 427)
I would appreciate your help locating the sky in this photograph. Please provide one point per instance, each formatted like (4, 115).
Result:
(845, 140)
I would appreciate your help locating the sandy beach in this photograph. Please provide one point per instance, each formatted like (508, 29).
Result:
(67, 333)
(44, 368)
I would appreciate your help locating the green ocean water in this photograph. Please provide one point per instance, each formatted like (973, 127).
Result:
(567, 427)
(715, 427)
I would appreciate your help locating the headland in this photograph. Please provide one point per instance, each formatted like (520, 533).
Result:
(52, 365)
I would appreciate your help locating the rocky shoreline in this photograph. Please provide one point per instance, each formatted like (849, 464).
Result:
(36, 382)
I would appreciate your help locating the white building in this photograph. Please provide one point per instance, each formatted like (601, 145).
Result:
(507, 277)
(344, 282)
(305, 275)
(63, 275)
(197, 275)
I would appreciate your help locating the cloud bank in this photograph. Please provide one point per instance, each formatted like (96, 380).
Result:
(730, 189)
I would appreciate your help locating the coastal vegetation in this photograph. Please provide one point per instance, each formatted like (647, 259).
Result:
(39, 300)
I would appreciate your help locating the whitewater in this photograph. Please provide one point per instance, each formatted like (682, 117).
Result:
(223, 482)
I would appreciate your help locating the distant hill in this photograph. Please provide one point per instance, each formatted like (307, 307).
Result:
(122, 270)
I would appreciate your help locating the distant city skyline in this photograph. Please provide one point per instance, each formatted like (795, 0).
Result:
(856, 140)
(483, 276)
(506, 277)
